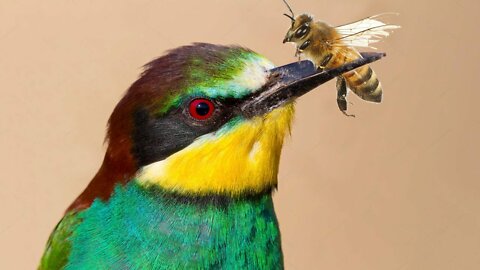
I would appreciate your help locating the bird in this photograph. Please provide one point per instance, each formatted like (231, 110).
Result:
(191, 162)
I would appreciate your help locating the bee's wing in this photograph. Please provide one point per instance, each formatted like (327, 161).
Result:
(362, 33)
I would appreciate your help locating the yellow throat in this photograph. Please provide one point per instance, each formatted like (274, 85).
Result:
(231, 161)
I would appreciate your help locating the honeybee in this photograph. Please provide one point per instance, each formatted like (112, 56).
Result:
(332, 46)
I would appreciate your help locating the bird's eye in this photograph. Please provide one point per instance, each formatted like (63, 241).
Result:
(201, 108)
(302, 31)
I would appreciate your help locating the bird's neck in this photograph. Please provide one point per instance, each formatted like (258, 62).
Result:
(115, 169)
(151, 219)
(242, 157)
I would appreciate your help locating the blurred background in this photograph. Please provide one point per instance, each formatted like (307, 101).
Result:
(397, 187)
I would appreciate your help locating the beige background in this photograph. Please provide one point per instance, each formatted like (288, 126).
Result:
(398, 187)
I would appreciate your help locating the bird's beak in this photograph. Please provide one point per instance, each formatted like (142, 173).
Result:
(286, 83)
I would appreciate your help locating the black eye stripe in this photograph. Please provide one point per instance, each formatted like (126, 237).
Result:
(156, 137)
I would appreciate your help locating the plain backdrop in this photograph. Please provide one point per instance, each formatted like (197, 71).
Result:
(397, 187)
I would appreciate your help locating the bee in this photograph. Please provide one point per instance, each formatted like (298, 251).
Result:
(332, 46)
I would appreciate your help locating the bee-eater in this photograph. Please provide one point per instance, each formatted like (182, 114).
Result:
(191, 163)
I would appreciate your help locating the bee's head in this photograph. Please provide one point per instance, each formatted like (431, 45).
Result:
(299, 29)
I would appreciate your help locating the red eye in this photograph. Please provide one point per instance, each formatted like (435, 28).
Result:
(201, 108)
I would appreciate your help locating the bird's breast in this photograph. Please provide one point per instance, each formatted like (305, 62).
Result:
(150, 229)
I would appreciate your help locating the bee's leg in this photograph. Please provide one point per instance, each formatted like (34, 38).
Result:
(325, 61)
(297, 53)
(342, 95)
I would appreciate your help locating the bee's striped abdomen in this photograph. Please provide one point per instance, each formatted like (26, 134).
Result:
(364, 82)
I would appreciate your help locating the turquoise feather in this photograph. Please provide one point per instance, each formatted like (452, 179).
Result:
(147, 228)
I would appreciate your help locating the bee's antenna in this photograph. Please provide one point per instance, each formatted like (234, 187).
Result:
(290, 17)
(289, 8)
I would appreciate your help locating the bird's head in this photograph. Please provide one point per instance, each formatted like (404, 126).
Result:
(204, 120)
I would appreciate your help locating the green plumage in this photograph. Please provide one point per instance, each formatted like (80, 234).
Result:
(147, 228)
(58, 245)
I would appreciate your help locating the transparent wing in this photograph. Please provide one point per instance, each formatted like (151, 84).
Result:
(362, 33)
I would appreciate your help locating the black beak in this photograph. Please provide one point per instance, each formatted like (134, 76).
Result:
(286, 83)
